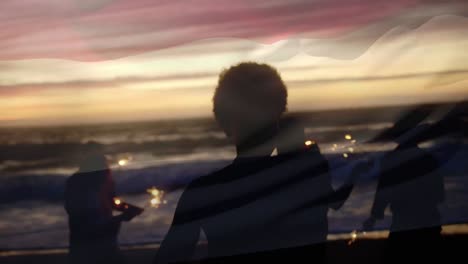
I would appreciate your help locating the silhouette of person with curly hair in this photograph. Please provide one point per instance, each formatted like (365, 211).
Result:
(260, 207)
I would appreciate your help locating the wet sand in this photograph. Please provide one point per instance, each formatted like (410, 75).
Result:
(454, 249)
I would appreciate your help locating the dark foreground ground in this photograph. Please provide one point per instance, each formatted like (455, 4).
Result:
(454, 250)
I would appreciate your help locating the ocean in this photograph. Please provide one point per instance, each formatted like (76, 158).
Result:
(169, 154)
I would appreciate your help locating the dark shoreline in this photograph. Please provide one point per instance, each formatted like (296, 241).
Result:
(338, 251)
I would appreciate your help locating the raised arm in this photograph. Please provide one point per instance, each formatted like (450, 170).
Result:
(337, 197)
(381, 201)
(342, 194)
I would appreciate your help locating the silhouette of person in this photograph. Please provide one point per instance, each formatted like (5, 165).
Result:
(410, 184)
(260, 207)
(89, 203)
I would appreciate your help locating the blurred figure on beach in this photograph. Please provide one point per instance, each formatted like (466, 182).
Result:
(409, 182)
(261, 207)
(89, 203)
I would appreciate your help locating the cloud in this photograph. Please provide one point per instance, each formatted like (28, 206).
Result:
(463, 73)
(112, 29)
(15, 90)
(96, 84)
(354, 44)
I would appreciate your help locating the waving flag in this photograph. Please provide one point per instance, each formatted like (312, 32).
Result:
(94, 30)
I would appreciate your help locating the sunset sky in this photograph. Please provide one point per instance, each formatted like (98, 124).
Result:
(66, 62)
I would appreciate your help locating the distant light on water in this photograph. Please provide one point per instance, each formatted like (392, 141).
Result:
(153, 191)
(155, 201)
(156, 197)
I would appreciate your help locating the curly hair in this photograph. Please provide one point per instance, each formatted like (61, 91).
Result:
(249, 95)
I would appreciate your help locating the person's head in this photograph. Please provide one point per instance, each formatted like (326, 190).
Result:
(249, 100)
(93, 158)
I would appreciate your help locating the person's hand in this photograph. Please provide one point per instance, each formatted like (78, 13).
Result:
(369, 223)
(129, 214)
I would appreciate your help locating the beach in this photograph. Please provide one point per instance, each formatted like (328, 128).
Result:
(338, 251)
(168, 155)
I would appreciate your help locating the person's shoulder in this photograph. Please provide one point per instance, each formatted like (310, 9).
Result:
(212, 178)
(71, 179)
(307, 160)
(310, 154)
